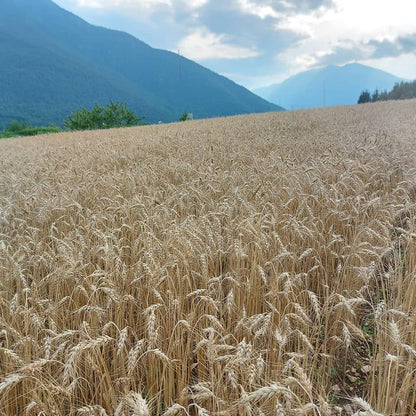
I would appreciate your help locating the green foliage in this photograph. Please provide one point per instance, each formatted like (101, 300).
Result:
(383, 96)
(186, 116)
(19, 128)
(334, 398)
(365, 97)
(15, 126)
(113, 115)
(401, 91)
(369, 327)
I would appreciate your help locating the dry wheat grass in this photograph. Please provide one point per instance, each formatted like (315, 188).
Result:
(256, 265)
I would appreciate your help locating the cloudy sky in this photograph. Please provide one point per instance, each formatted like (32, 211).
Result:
(260, 42)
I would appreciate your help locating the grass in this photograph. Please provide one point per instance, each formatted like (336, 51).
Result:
(250, 265)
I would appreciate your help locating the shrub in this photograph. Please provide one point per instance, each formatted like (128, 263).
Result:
(186, 116)
(20, 128)
(113, 115)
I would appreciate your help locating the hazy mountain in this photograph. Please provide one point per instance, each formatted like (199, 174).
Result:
(53, 62)
(333, 85)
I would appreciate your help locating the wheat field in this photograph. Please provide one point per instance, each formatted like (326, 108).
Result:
(251, 265)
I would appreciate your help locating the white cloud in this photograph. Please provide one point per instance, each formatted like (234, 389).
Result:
(354, 19)
(308, 33)
(350, 23)
(196, 4)
(141, 4)
(258, 10)
(94, 4)
(126, 4)
(203, 44)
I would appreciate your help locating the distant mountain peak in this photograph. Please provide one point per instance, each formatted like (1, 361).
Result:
(330, 85)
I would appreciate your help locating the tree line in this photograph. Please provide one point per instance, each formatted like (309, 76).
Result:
(111, 116)
(99, 117)
(401, 91)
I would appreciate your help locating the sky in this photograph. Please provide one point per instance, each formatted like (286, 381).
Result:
(260, 42)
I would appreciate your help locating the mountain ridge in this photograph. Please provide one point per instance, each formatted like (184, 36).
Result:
(57, 63)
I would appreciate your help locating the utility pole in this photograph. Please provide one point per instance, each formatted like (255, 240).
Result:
(180, 66)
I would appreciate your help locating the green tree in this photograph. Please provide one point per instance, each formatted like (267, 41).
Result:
(401, 91)
(376, 96)
(118, 115)
(113, 115)
(383, 96)
(365, 97)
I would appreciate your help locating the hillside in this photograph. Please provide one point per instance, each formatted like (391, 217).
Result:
(260, 264)
(329, 86)
(56, 62)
